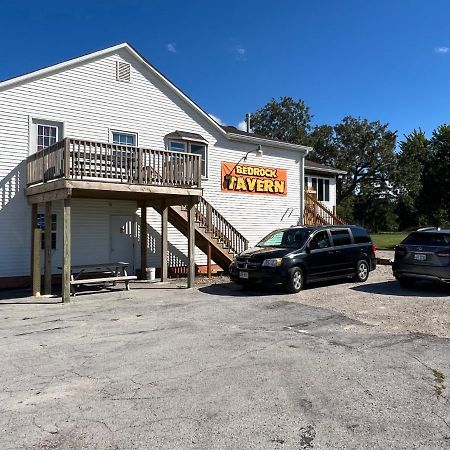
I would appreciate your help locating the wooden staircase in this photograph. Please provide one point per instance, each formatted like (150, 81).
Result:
(318, 214)
(214, 235)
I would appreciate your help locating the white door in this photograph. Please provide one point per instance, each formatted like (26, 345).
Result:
(122, 240)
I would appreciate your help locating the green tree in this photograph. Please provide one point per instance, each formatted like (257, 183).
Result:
(366, 150)
(411, 162)
(323, 141)
(287, 120)
(435, 196)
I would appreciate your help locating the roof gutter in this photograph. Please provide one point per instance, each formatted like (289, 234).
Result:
(258, 140)
(319, 169)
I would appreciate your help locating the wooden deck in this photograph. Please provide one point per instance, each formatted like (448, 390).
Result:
(78, 159)
(75, 168)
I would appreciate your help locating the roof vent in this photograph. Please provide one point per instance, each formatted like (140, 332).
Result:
(123, 71)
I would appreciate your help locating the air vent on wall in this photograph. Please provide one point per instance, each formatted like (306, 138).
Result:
(123, 71)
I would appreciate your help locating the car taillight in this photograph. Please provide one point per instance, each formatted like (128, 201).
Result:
(374, 248)
(445, 253)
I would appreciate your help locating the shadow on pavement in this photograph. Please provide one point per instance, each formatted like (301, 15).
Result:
(234, 290)
(24, 297)
(421, 289)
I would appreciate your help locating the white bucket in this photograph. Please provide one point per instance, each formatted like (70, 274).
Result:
(150, 271)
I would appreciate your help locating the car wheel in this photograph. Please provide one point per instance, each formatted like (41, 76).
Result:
(406, 282)
(362, 271)
(295, 281)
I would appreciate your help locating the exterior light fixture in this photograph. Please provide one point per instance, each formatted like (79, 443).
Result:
(258, 152)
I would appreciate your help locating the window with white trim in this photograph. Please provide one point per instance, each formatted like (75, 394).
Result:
(196, 148)
(321, 186)
(177, 146)
(122, 138)
(44, 133)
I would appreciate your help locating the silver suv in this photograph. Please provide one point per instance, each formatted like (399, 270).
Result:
(423, 255)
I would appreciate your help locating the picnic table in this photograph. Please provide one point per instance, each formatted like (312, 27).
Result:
(102, 273)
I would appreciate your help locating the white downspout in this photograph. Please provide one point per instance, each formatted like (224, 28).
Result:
(302, 189)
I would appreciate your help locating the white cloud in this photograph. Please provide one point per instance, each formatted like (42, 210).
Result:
(217, 119)
(441, 49)
(242, 125)
(241, 53)
(171, 47)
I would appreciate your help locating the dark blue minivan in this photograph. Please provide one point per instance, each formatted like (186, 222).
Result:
(298, 255)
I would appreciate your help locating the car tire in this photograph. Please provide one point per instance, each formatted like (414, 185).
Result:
(296, 280)
(362, 271)
(406, 282)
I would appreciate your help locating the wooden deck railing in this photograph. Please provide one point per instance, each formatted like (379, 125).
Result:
(317, 214)
(88, 160)
(213, 222)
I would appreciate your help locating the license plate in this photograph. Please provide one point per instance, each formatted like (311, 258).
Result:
(420, 257)
(243, 275)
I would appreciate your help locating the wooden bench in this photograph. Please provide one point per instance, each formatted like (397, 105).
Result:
(89, 274)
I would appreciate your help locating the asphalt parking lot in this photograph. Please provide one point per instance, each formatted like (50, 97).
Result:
(340, 365)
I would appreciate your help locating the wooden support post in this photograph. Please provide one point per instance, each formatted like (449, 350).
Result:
(66, 263)
(143, 237)
(164, 242)
(208, 267)
(48, 249)
(191, 242)
(36, 274)
(34, 208)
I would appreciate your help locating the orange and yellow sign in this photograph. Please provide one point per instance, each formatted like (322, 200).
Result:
(250, 179)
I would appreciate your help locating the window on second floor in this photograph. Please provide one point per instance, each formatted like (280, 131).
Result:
(122, 138)
(196, 148)
(44, 133)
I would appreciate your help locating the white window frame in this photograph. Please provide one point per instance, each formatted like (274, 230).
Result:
(310, 185)
(34, 121)
(178, 141)
(129, 133)
(187, 146)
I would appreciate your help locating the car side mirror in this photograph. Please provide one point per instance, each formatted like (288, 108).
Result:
(307, 249)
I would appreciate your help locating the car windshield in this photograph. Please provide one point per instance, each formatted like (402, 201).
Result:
(427, 238)
(290, 238)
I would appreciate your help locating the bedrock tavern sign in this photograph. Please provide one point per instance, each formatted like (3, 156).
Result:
(250, 179)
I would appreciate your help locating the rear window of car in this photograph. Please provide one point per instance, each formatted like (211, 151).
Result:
(341, 237)
(428, 238)
(360, 236)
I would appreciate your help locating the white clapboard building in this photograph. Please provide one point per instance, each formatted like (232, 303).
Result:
(121, 165)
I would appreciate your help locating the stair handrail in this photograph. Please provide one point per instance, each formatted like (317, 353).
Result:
(329, 215)
(215, 223)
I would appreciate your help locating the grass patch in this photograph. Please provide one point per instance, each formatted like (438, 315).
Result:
(388, 240)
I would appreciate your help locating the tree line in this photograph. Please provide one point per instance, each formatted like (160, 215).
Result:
(390, 185)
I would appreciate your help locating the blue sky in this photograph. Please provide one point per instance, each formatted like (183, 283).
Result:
(380, 60)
